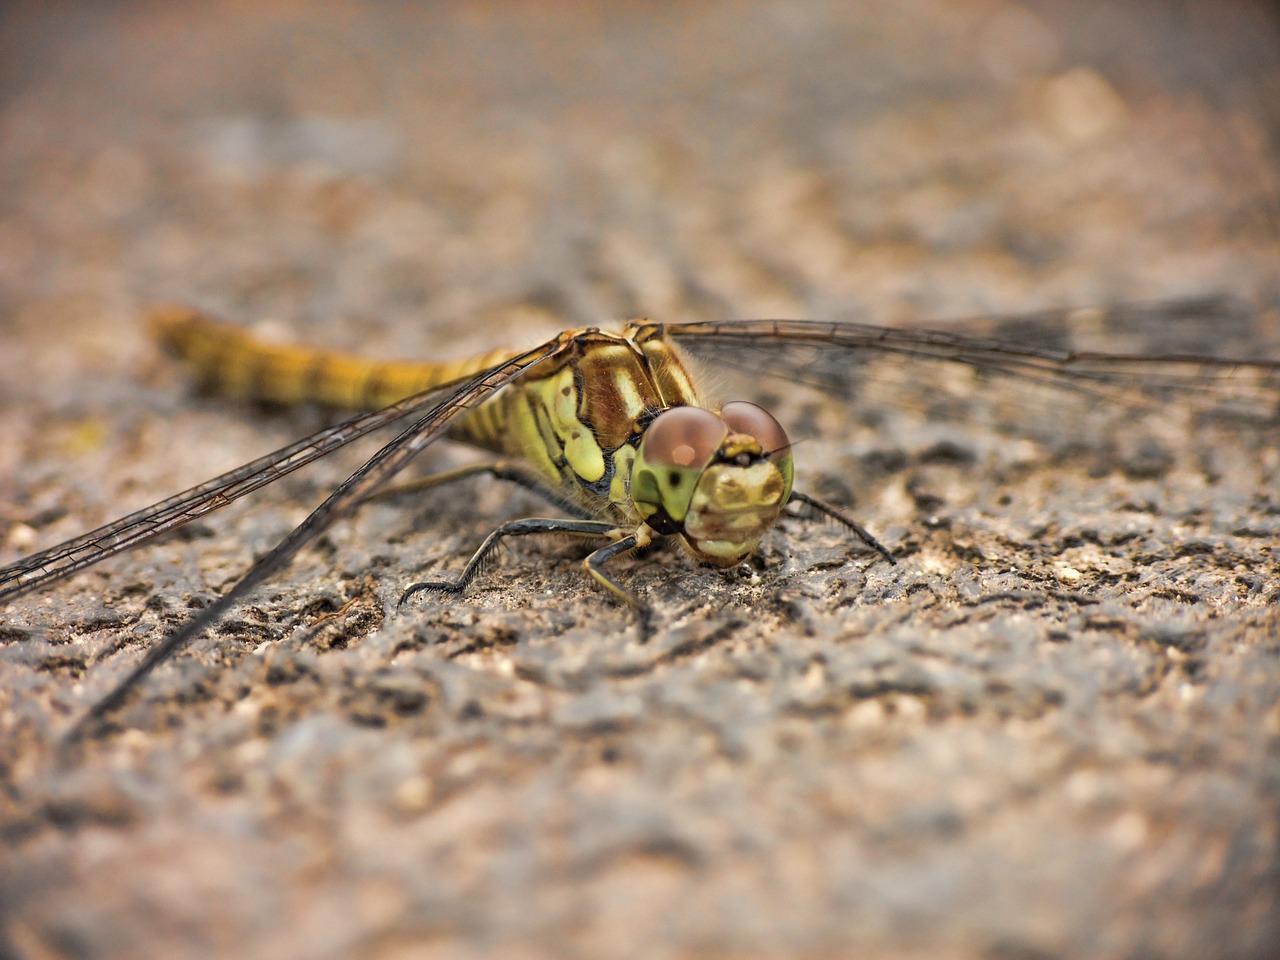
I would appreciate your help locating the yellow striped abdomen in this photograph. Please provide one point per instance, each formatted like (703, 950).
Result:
(233, 362)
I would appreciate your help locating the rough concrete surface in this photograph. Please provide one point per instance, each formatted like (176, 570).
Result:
(1050, 731)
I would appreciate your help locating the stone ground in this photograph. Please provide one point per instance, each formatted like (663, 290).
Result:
(1051, 731)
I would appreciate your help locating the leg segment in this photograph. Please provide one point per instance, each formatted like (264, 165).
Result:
(516, 528)
(594, 565)
(826, 510)
(500, 469)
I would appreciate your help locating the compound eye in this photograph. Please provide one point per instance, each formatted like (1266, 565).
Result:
(682, 438)
(744, 417)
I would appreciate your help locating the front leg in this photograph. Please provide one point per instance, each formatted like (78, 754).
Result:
(594, 565)
(515, 528)
(826, 510)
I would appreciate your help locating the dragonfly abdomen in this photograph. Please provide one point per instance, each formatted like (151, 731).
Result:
(233, 362)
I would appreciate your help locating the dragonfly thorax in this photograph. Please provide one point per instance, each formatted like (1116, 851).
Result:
(717, 480)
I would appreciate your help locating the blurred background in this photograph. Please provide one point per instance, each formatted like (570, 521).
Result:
(455, 163)
(429, 178)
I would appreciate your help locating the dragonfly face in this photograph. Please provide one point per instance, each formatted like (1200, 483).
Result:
(718, 480)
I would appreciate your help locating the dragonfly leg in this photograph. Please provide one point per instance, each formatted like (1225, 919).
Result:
(516, 528)
(594, 565)
(826, 510)
(501, 470)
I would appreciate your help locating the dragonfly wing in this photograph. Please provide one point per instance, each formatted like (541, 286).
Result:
(1171, 352)
(65, 559)
(374, 474)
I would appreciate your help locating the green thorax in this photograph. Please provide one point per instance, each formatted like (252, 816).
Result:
(577, 417)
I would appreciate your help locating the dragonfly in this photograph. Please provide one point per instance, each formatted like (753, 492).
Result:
(614, 431)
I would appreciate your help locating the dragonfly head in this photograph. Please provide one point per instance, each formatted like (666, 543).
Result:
(718, 480)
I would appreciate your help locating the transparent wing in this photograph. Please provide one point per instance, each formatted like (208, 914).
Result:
(1204, 354)
(375, 473)
(65, 559)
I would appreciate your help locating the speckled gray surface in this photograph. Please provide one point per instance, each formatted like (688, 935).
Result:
(1050, 731)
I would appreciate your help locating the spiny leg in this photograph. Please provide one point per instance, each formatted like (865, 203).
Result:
(594, 565)
(515, 528)
(861, 532)
(499, 469)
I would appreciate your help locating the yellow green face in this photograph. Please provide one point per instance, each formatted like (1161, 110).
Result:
(717, 480)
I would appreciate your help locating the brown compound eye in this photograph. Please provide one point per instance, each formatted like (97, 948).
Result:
(744, 417)
(683, 437)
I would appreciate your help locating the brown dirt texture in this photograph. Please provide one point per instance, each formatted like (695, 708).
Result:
(1050, 731)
